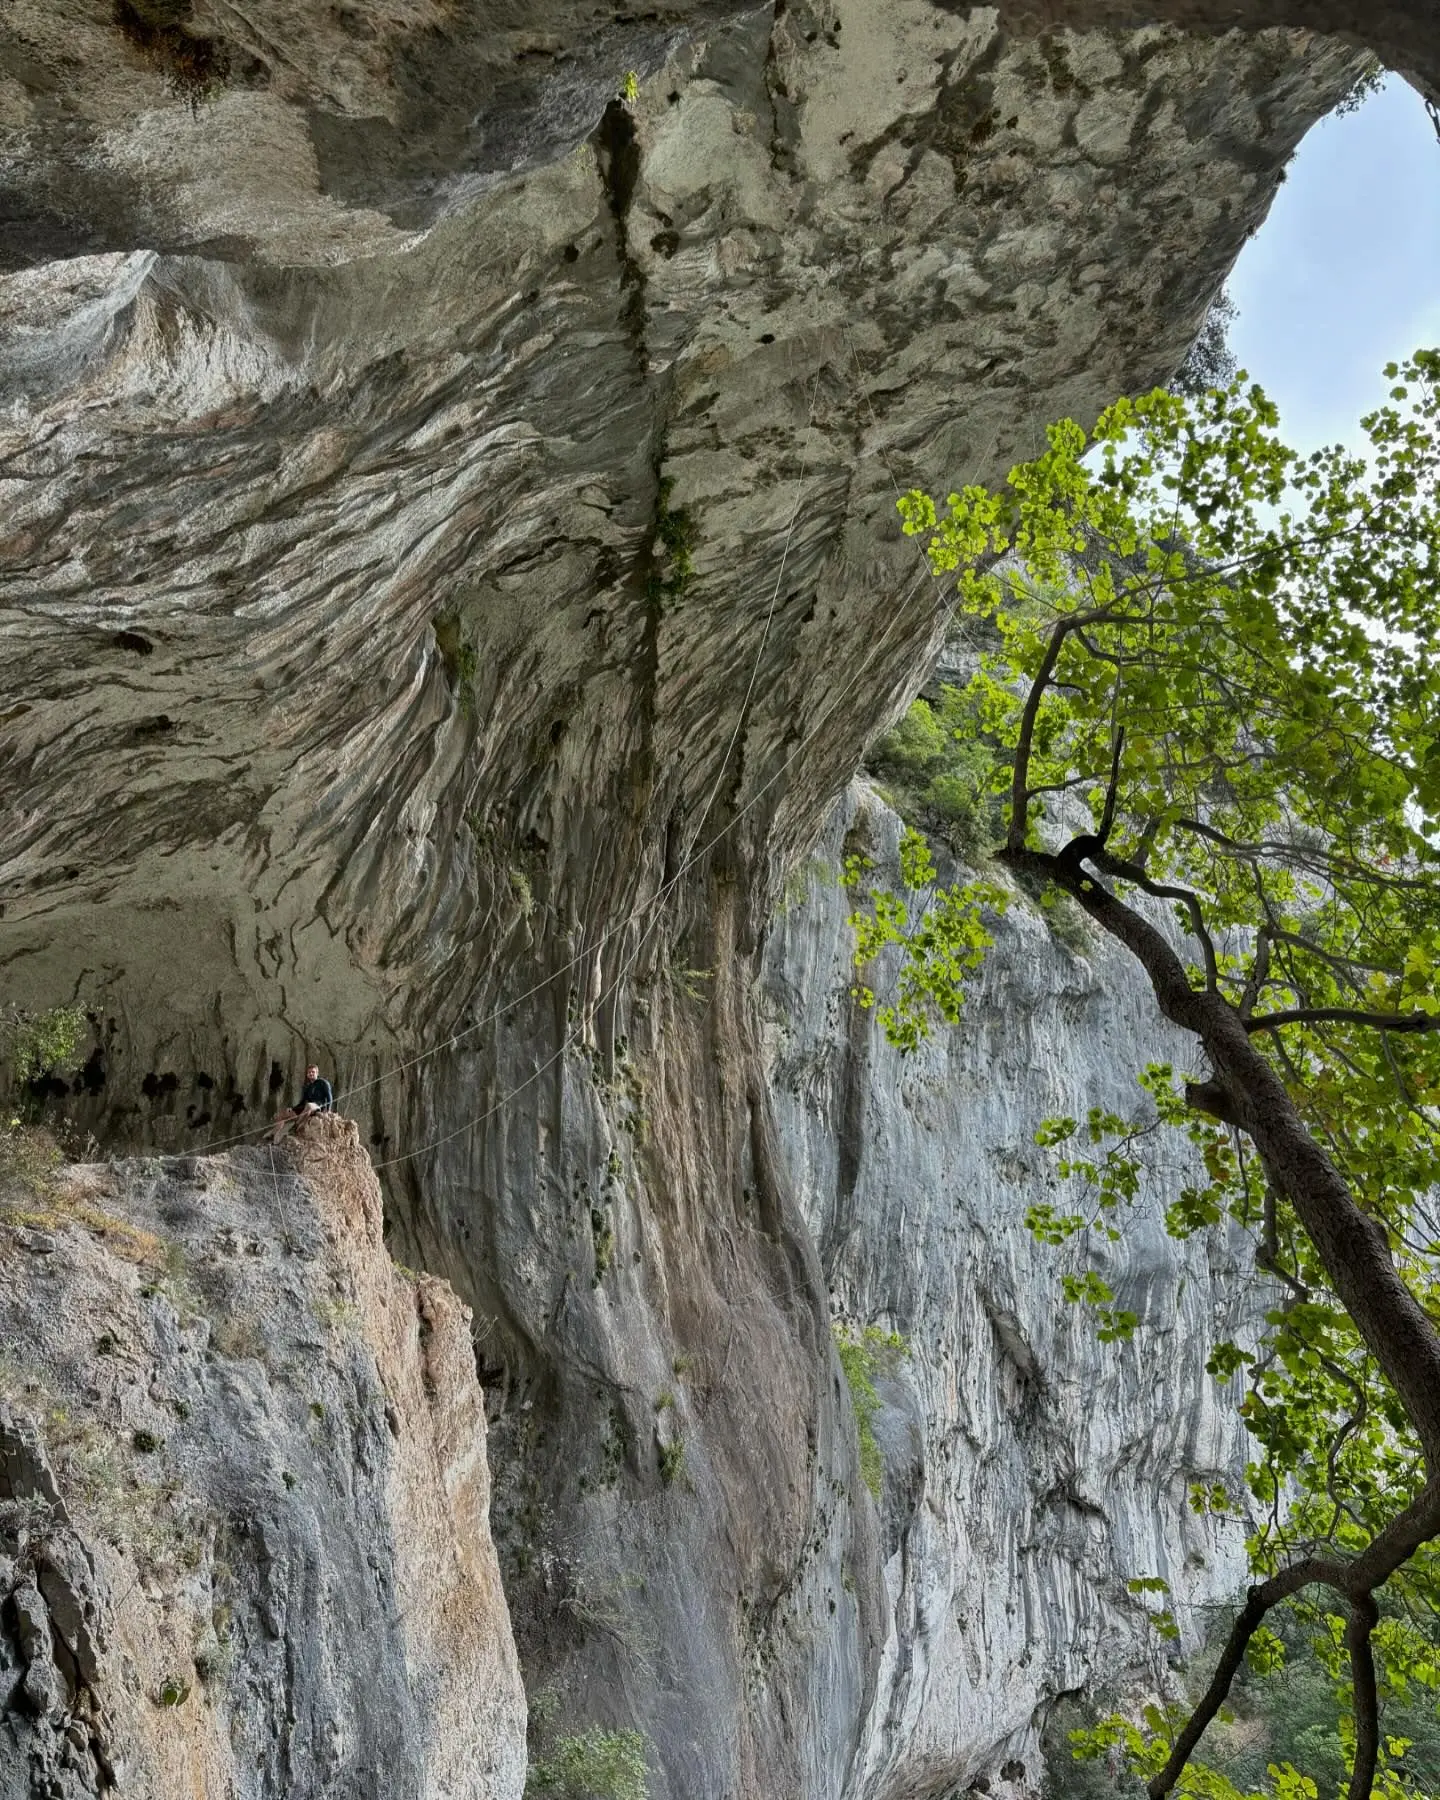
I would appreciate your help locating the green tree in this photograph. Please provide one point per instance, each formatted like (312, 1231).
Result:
(37, 1043)
(595, 1765)
(1216, 690)
(1209, 362)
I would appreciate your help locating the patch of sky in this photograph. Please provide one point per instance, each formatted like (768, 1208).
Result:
(1344, 275)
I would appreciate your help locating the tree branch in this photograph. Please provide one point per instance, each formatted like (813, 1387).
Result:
(1211, 1097)
(1258, 1602)
(1363, 1616)
(1107, 818)
(1299, 856)
(1019, 787)
(1259, 974)
(1344, 1015)
(1398, 1542)
(1352, 1245)
(1267, 1251)
(1093, 850)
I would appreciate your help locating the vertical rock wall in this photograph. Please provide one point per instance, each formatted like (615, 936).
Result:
(1030, 1470)
(244, 1544)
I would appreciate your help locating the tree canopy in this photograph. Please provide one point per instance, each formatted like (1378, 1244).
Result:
(1211, 694)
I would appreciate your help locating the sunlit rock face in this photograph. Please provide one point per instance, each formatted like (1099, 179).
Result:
(244, 1543)
(1031, 1471)
(438, 643)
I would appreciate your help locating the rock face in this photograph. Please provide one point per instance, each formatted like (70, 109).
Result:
(1030, 1471)
(431, 649)
(243, 1493)
(383, 635)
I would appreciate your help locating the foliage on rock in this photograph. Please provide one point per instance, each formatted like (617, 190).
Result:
(1225, 651)
(37, 1043)
(594, 1765)
(865, 1353)
(940, 773)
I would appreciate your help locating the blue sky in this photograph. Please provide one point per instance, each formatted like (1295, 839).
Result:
(1344, 275)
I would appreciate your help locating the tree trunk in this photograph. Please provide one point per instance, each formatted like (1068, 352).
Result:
(1246, 1090)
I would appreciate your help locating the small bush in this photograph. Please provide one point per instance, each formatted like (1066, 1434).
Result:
(524, 894)
(1066, 1776)
(173, 1691)
(39, 1043)
(942, 775)
(672, 1461)
(864, 1354)
(1368, 82)
(29, 1158)
(460, 658)
(1067, 921)
(596, 1765)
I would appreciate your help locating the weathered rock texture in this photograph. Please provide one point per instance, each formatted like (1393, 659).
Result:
(1030, 1470)
(244, 1546)
(439, 646)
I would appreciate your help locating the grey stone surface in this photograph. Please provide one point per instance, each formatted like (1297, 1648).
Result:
(243, 1537)
(1030, 1470)
(359, 704)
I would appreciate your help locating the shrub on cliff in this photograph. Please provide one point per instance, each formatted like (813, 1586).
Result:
(37, 1043)
(1227, 652)
(942, 775)
(595, 1765)
(865, 1353)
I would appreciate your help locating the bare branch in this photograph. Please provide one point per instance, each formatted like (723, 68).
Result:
(1344, 1015)
(1019, 788)
(1107, 818)
(1062, 787)
(1337, 960)
(1318, 862)
(1267, 1252)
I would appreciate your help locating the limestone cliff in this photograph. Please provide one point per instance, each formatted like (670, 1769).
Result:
(447, 575)
(1030, 1471)
(244, 1546)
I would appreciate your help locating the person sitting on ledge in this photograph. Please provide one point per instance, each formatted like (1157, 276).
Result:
(315, 1097)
